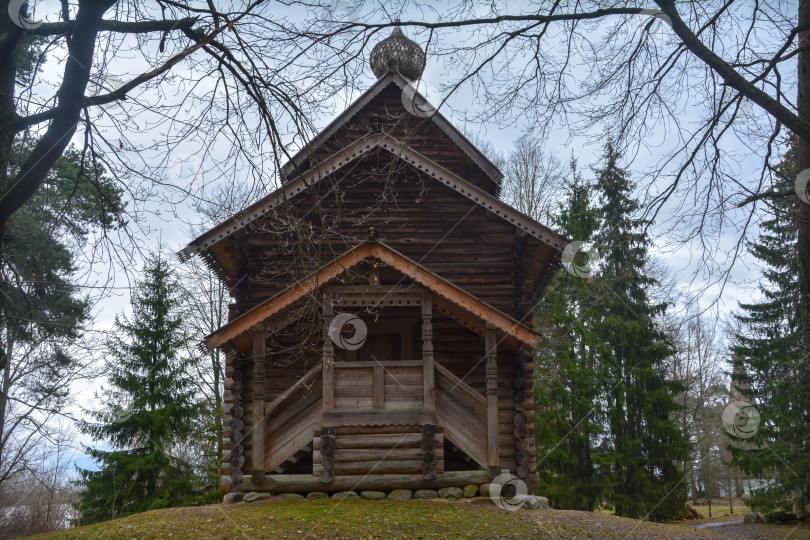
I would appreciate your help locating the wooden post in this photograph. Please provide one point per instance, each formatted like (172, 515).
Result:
(493, 460)
(327, 314)
(236, 383)
(427, 351)
(378, 387)
(259, 352)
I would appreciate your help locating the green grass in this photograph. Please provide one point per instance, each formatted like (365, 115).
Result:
(318, 519)
(720, 510)
(369, 520)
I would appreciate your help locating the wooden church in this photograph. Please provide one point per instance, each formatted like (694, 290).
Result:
(380, 335)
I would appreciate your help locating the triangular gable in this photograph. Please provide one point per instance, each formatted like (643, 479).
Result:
(456, 296)
(350, 154)
(489, 168)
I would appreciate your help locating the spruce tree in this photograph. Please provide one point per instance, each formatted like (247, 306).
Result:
(768, 354)
(150, 408)
(567, 424)
(644, 445)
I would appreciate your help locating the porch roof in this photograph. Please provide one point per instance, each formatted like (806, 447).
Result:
(457, 298)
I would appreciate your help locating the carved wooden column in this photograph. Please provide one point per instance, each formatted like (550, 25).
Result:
(327, 314)
(234, 387)
(259, 358)
(524, 419)
(493, 459)
(327, 435)
(428, 373)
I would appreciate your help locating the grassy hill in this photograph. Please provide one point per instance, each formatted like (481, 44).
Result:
(375, 519)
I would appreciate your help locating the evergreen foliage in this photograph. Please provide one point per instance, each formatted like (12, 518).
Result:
(567, 426)
(150, 409)
(768, 354)
(605, 426)
(43, 312)
(645, 445)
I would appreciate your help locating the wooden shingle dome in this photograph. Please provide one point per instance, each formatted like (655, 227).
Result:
(397, 53)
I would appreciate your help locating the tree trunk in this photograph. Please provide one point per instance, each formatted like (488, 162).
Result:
(803, 217)
(217, 366)
(6, 385)
(51, 145)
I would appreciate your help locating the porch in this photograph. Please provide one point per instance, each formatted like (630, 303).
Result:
(392, 413)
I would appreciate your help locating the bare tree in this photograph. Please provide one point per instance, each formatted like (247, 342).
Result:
(618, 66)
(40, 498)
(699, 365)
(533, 179)
(709, 76)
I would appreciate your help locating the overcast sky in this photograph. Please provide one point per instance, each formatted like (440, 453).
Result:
(168, 224)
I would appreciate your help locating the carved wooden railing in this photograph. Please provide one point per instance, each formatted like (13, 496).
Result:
(378, 384)
(291, 418)
(463, 413)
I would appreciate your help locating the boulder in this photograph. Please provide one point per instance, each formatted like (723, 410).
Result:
(425, 494)
(372, 495)
(750, 517)
(317, 495)
(231, 498)
(533, 502)
(451, 493)
(470, 491)
(400, 494)
(776, 517)
(342, 495)
(291, 497)
(483, 490)
(254, 496)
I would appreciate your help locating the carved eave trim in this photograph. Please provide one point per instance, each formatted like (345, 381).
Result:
(348, 155)
(441, 287)
(489, 168)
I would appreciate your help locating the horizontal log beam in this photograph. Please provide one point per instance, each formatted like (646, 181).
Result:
(303, 483)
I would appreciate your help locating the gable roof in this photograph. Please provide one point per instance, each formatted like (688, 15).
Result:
(437, 118)
(378, 250)
(351, 153)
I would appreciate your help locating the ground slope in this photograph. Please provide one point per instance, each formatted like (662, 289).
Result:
(380, 519)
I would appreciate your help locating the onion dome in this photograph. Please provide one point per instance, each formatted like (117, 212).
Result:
(397, 53)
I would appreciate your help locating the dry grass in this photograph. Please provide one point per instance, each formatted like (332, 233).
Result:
(385, 520)
(372, 519)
